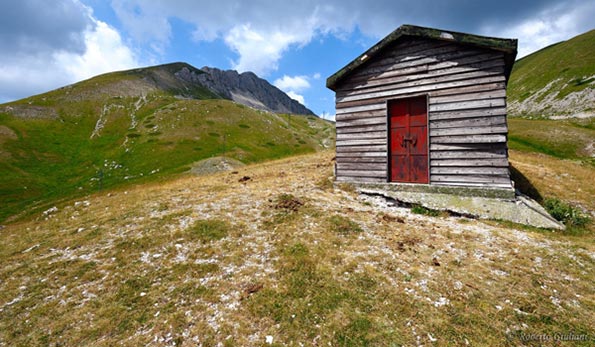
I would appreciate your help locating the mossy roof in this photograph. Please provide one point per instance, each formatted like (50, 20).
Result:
(507, 46)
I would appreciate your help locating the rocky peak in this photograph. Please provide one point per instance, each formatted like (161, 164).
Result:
(248, 89)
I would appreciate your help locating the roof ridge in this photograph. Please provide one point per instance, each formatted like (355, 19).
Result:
(508, 46)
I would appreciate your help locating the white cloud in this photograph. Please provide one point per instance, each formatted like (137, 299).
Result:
(260, 32)
(328, 116)
(95, 60)
(36, 72)
(297, 97)
(296, 83)
(146, 24)
(549, 26)
(259, 51)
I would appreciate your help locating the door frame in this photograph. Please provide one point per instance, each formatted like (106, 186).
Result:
(388, 135)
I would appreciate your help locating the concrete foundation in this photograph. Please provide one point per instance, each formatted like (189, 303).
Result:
(501, 204)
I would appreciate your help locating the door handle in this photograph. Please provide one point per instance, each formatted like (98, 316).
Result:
(410, 139)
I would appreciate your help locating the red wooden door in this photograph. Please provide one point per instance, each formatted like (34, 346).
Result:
(408, 140)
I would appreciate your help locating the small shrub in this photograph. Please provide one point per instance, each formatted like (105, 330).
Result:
(565, 213)
(214, 134)
(419, 209)
(343, 225)
(133, 135)
(244, 126)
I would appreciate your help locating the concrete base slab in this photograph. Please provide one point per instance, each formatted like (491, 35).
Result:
(518, 208)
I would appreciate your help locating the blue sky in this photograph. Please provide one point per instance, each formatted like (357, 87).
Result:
(295, 45)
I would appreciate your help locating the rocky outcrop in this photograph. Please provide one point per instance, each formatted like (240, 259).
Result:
(248, 89)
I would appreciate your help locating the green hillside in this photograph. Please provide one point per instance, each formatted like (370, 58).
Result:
(129, 127)
(572, 139)
(557, 80)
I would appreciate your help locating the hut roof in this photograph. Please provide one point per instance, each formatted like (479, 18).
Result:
(507, 46)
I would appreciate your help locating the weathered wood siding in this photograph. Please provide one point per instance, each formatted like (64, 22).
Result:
(466, 91)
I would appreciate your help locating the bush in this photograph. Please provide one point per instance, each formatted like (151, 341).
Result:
(565, 213)
(419, 209)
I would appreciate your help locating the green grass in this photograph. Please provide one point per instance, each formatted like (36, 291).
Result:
(207, 230)
(563, 139)
(418, 209)
(343, 225)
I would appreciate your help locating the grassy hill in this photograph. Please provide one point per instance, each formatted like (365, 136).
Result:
(130, 127)
(215, 260)
(558, 80)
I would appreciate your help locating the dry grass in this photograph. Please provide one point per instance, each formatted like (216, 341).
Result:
(214, 261)
(566, 180)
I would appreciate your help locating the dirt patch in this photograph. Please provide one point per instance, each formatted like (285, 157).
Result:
(214, 165)
(6, 133)
(287, 202)
(31, 112)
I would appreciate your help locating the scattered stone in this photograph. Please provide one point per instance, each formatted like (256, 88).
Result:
(31, 248)
(435, 262)
(50, 211)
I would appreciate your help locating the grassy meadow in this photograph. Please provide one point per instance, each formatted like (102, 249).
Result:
(284, 258)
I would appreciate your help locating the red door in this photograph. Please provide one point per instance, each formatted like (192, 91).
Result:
(408, 140)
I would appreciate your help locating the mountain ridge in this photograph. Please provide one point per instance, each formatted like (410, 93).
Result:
(185, 81)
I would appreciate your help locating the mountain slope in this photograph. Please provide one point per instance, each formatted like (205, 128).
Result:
(558, 80)
(284, 256)
(133, 126)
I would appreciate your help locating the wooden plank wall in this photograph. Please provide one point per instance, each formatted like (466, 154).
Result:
(467, 113)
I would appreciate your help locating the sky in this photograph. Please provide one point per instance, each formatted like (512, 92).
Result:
(295, 45)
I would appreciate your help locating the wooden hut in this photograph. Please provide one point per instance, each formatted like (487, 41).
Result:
(427, 107)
